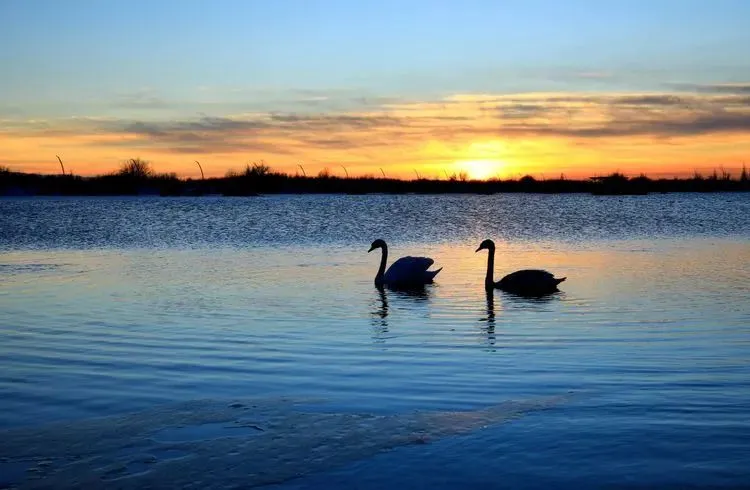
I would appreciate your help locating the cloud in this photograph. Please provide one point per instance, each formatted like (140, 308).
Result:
(597, 116)
(397, 124)
(273, 99)
(717, 88)
(141, 99)
(594, 75)
(204, 125)
(333, 121)
(723, 122)
(650, 100)
(522, 110)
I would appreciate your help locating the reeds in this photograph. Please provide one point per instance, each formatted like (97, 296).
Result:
(61, 164)
(137, 176)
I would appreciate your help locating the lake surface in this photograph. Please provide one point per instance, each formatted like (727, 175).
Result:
(162, 318)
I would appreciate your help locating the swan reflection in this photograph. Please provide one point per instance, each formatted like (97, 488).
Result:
(528, 302)
(489, 329)
(381, 308)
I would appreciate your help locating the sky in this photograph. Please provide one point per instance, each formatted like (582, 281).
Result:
(492, 88)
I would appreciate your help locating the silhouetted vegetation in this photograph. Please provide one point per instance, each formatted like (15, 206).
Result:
(135, 168)
(137, 177)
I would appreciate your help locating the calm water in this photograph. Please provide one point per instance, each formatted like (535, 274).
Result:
(120, 305)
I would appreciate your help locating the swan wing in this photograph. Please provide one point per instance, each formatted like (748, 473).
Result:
(409, 270)
(529, 275)
(529, 280)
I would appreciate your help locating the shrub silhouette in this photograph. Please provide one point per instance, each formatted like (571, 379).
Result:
(136, 168)
(258, 169)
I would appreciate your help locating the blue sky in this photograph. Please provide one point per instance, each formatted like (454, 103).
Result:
(75, 58)
(496, 87)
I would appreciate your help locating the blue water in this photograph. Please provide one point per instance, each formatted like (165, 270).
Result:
(120, 305)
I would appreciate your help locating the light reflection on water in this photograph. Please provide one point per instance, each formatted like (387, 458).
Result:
(126, 329)
(654, 331)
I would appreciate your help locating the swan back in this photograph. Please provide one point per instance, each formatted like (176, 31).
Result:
(529, 282)
(411, 270)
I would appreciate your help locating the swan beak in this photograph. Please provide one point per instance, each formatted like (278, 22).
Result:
(477, 250)
(371, 249)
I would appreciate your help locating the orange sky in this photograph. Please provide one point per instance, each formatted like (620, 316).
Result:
(578, 134)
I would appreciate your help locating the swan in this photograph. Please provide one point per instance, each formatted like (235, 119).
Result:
(527, 282)
(405, 272)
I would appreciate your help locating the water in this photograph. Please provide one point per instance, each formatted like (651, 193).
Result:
(127, 307)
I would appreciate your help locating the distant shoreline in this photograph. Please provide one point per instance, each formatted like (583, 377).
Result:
(254, 182)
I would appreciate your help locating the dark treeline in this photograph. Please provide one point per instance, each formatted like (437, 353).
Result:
(135, 177)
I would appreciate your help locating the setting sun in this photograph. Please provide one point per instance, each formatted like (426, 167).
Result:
(481, 169)
(484, 160)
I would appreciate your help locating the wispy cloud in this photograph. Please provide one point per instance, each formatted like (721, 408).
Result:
(595, 75)
(141, 99)
(716, 88)
(527, 115)
(422, 131)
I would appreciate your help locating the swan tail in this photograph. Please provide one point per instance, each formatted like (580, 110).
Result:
(558, 281)
(431, 274)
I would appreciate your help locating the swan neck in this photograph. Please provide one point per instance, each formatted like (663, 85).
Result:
(489, 282)
(381, 269)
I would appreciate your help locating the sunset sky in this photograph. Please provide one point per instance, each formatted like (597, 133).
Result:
(494, 88)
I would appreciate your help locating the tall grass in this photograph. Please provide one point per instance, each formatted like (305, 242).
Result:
(61, 164)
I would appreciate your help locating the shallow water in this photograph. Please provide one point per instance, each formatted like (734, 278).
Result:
(123, 305)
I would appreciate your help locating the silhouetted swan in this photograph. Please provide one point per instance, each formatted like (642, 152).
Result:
(405, 272)
(528, 282)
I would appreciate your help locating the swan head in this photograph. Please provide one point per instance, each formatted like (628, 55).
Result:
(379, 243)
(486, 245)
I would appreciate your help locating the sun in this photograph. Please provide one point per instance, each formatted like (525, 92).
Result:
(480, 169)
(483, 160)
